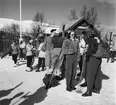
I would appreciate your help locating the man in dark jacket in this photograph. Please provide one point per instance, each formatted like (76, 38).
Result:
(94, 68)
(48, 48)
(56, 49)
(90, 41)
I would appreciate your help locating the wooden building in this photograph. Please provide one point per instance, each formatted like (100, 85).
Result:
(79, 25)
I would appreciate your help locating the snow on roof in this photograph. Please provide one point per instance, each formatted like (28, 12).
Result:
(47, 29)
(71, 23)
(81, 27)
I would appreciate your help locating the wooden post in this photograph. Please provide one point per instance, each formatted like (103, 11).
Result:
(110, 38)
(63, 31)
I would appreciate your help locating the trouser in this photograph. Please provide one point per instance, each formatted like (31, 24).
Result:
(29, 61)
(14, 58)
(48, 58)
(86, 62)
(94, 74)
(63, 67)
(56, 62)
(22, 55)
(55, 54)
(81, 63)
(41, 63)
(71, 67)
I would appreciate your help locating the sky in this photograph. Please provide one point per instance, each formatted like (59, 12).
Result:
(57, 11)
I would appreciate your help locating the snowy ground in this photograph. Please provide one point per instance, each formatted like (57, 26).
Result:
(30, 83)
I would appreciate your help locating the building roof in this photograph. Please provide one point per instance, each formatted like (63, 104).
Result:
(71, 24)
(77, 23)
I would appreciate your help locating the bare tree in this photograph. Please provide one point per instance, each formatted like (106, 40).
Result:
(73, 15)
(39, 19)
(90, 14)
(83, 12)
(93, 16)
(35, 29)
(11, 33)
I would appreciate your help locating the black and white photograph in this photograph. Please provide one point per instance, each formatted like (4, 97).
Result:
(57, 52)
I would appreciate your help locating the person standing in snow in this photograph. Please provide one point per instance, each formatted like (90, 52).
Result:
(15, 52)
(29, 55)
(41, 59)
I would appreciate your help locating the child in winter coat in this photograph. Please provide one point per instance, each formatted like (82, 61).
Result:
(29, 55)
(15, 52)
(41, 59)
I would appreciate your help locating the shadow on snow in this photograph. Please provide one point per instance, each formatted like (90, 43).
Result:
(36, 97)
(4, 93)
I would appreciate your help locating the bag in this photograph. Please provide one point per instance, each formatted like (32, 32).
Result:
(99, 52)
(54, 82)
(43, 47)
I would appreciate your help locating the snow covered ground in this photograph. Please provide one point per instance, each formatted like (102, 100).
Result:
(30, 83)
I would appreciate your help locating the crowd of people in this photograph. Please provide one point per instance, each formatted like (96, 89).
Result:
(64, 54)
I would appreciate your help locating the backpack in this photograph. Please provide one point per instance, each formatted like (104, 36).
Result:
(99, 52)
(54, 81)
